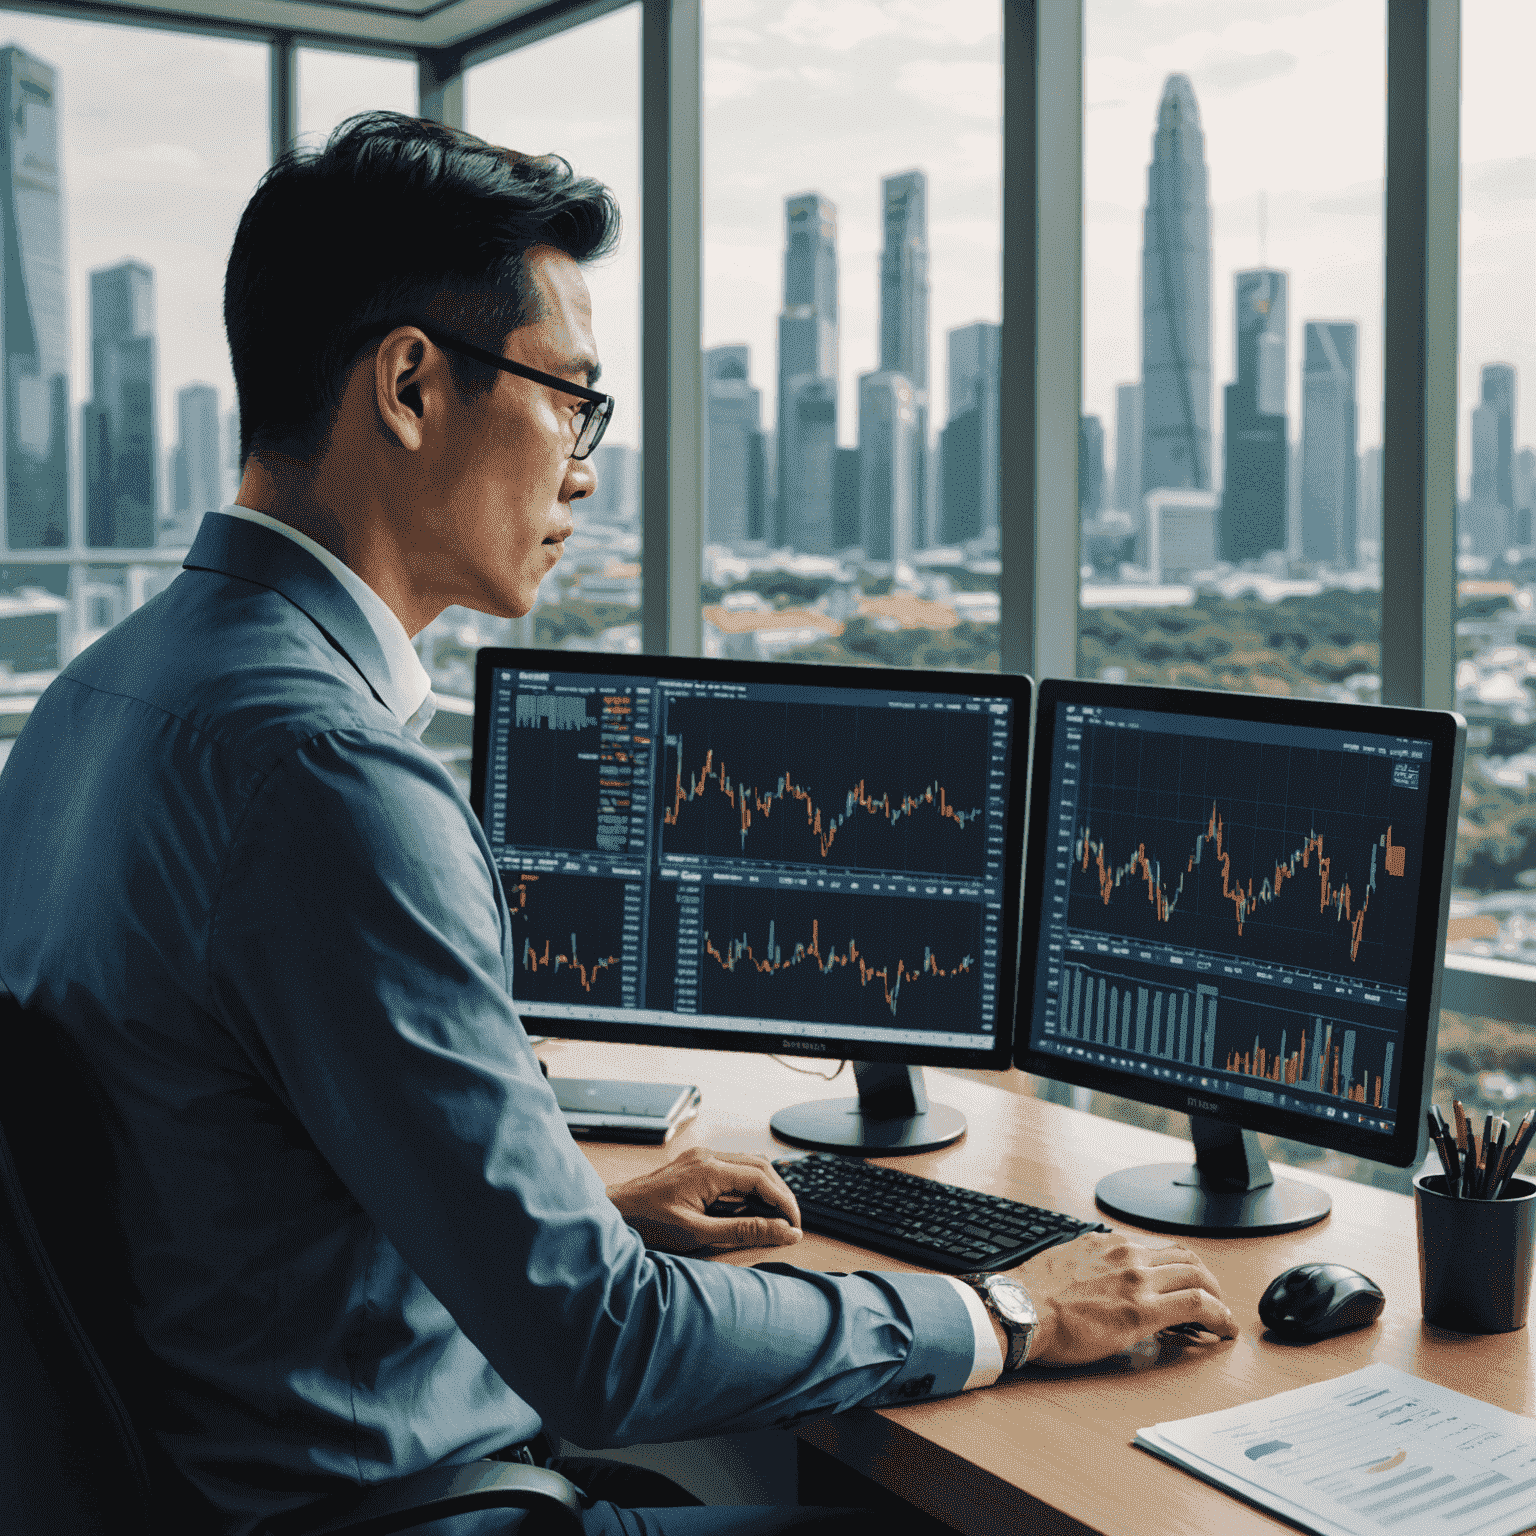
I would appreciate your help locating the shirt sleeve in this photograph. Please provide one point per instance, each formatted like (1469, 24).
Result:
(987, 1358)
(358, 950)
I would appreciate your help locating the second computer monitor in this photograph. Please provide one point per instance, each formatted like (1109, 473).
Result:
(1235, 907)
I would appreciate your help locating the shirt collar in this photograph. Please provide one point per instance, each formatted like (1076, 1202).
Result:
(406, 688)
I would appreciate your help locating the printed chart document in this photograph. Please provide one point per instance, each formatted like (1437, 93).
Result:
(1375, 1451)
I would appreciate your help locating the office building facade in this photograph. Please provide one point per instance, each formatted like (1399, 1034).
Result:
(807, 419)
(733, 437)
(1329, 452)
(197, 475)
(1493, 437)
(1176, 300)
(968, 446)
(34, 294)
(904, 317)
(1255, 436)
(1128, 448)
(888, 450)
(120, 452)
(1090, 466)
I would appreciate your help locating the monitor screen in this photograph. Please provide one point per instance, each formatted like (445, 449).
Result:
(1235, 907)
(821, 860)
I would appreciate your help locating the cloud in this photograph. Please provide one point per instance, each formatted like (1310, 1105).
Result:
(1503, 181)
(1363, 200)
(840, 25)
(1231, 71)
(735, 79)
(967, 87)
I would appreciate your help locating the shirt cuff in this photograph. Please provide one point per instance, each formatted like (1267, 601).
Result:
(987, 1362)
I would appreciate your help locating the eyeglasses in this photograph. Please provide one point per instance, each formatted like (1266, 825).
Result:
(594, 415)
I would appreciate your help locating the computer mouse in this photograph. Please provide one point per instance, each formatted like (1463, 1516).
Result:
(1312, 1301)
(744, 1205)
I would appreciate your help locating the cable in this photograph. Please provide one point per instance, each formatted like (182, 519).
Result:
(806, 1071)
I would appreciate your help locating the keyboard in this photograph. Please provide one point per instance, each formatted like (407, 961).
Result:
(940, 1226)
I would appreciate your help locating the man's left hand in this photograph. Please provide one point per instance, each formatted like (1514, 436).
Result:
(667, 1207)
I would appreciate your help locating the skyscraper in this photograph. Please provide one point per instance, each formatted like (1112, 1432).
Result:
(968, 454)
(32, 291)
(733, 447)
(807, 425)
(1255, 433)
(120, 448)
(1090, 465)
(1493, 438)
(1329, 462)
(197, 476)
(1176, 300)
(904, 313)
(1128, 448)
(888, 451)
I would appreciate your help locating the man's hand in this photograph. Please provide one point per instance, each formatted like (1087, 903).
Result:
(1099, 1294)
(667, 1207)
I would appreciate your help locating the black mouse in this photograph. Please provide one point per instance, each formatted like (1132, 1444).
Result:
(744, 1205)
(1315, 1300)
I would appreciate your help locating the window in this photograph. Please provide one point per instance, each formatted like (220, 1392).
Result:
(122, 199)
(578, 95)
(333, 86)
(851, 342)
(1229, 455)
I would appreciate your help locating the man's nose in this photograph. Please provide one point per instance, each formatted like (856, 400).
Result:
(580, 480)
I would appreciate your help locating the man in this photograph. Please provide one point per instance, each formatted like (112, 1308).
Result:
(360, 1240)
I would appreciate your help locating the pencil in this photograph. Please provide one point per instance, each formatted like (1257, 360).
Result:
(1482, 1161)
(1461, 1123)
(1440, 1149)
(1517, 1148)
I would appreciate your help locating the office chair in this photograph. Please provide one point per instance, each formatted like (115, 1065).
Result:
(71, 1461)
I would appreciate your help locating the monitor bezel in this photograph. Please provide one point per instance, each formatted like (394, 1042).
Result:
(1446, 731)
(1017, 686)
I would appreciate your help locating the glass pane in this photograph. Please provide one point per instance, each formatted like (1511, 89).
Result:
(333, 86)
(1494, 908)
(851, 307)
(122, 199)
(525, 100)
(1232, 296)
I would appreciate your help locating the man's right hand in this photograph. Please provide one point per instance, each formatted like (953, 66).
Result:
(1100, 1294)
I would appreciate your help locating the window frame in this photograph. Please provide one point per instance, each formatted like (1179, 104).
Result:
(1040, 398)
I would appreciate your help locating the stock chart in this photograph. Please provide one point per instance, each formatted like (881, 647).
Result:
(569, 937)
(826, 785)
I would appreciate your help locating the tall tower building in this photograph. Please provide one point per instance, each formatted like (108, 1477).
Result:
(968, 450)
(1176, 300)
(197, 476)
(120, 437)
(35, 440)
(1329, 456)
(1493, 438)
(807, 426)
(904, 313)
(733, 447)
(1128, 448)
(1255, 433)
(888, 452)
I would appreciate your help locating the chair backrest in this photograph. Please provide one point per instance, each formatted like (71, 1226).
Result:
(71, 1463)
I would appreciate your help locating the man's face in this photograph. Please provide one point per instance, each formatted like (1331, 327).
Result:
(504, 468)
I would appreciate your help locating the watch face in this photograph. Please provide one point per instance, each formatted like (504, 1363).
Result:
(1012, 1301)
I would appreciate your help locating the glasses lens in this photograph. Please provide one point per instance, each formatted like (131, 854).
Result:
(593, 427)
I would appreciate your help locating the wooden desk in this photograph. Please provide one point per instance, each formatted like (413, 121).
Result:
(1053, 1452)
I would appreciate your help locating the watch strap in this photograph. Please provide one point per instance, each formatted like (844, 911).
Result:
(1020, 1335)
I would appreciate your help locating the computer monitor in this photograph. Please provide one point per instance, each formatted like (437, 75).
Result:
(1235, 906)
(821, 861)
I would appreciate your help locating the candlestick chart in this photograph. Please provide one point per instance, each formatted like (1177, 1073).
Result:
(568, 937)
(1274, 854)
(843, 786)
(776, 954)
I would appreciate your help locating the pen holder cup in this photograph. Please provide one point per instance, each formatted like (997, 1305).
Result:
(1475, 1256)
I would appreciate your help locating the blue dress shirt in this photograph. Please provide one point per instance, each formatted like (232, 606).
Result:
(362, 1240)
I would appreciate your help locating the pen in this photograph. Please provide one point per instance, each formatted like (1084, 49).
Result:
(1517, 1148)
(1483, 1165)
(1440, 1148)
(1450, 1155)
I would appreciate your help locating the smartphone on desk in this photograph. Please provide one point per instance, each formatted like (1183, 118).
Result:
(605, 1109)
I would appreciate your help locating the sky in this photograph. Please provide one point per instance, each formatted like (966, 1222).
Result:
(164, 136)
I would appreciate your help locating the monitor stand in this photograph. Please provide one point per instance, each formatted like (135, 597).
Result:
(1228, 1192)
(890, 1117)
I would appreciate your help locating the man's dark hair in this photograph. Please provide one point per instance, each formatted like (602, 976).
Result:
(397, 219)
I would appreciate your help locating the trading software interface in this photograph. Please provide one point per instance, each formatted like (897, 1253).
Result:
(806, 861)
(1232, 906)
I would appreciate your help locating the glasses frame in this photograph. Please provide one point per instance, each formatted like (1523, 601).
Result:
(594, 418)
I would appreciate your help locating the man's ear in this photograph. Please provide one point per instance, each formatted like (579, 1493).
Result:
(403, 382)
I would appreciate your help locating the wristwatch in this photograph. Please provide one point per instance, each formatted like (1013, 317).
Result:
(1009, 1303)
